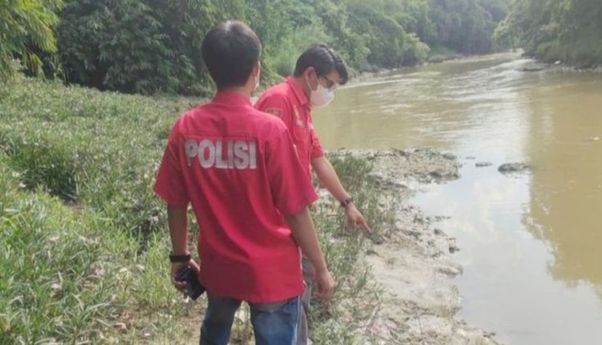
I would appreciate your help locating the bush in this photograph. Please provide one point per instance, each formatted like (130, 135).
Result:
(41, 163)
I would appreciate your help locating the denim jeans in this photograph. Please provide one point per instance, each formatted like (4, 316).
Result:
(273, 323)
(303, 327)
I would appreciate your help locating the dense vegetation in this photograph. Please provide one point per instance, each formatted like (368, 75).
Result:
(551, 30)
(150, 46)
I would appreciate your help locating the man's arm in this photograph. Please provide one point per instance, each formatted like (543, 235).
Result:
(329, 178)
(177, 218)
(303, 230)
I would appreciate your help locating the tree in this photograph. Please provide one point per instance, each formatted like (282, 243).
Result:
(23, 24)
(139, 46)
(150, 46)
(566, 30)
(462, 25)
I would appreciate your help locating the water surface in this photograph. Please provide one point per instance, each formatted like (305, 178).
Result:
(531, 244)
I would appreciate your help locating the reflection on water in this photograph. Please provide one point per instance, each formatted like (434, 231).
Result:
(530, 244)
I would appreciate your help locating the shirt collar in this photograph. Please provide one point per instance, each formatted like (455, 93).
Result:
(298, 91)
(231, 98)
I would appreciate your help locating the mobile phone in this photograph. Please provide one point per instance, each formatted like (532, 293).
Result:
(194, 289)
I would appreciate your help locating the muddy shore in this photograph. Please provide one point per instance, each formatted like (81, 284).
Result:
(414, 265)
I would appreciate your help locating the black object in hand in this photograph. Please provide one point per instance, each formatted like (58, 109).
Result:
(194, 289)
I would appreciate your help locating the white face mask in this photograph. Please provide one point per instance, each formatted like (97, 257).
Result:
(321, 97)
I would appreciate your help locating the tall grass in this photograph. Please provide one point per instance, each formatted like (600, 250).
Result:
(83, 240)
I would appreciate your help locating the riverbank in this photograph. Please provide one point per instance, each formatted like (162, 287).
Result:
(413, 263)
(538, 65)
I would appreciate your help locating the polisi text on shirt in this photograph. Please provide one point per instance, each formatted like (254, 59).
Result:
(222, 153)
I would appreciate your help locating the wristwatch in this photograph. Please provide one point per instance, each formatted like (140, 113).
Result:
(345, 203)
(173, 258)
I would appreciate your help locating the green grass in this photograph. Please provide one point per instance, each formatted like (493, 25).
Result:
(83, 240)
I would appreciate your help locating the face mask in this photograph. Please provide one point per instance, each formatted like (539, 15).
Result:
(321, 97)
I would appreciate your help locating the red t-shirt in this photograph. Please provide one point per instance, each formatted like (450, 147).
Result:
(288, 101)
(239, 170)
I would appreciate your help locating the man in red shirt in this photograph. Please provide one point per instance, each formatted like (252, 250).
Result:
(317, 73)
(239, 170)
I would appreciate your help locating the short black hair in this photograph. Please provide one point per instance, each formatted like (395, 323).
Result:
(324, 60)
(230, 51)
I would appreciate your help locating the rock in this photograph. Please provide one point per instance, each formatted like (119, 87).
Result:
(483, 164)
(371, 252)
(453, 248)
(534, 68)
(121, 327)
(449, 271)
(57, 290)
(436, 174)
(509, 168)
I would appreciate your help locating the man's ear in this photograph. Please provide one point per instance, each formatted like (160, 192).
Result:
(255, 76)
(311, 77)
(257, 69)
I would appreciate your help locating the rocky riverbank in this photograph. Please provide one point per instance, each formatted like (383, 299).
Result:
(414, 263)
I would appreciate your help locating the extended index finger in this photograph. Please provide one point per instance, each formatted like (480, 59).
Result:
(364, 224)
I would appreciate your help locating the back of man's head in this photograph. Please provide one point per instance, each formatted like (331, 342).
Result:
(324, 60)
(231, 50)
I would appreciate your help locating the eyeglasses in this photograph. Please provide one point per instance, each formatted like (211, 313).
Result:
(330, 84)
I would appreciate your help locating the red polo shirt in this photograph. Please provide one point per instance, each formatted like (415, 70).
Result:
(239, 170)
(288, 101)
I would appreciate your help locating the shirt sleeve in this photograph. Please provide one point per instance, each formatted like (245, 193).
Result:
(291, 189)
(316, 147)
(170, 184)
(276, 105)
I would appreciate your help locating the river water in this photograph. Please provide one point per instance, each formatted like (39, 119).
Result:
(531, 243)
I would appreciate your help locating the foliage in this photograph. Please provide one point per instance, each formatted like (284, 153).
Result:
(565, 30)
(138, 46)
(24, 25)
(152, 46)
(464, 25)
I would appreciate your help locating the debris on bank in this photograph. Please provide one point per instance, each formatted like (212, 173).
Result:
(483, 164)
(513, 168)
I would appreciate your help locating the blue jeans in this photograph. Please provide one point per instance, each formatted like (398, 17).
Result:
(273, 323)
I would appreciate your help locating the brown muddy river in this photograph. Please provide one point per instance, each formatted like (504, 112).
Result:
(531, 244)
